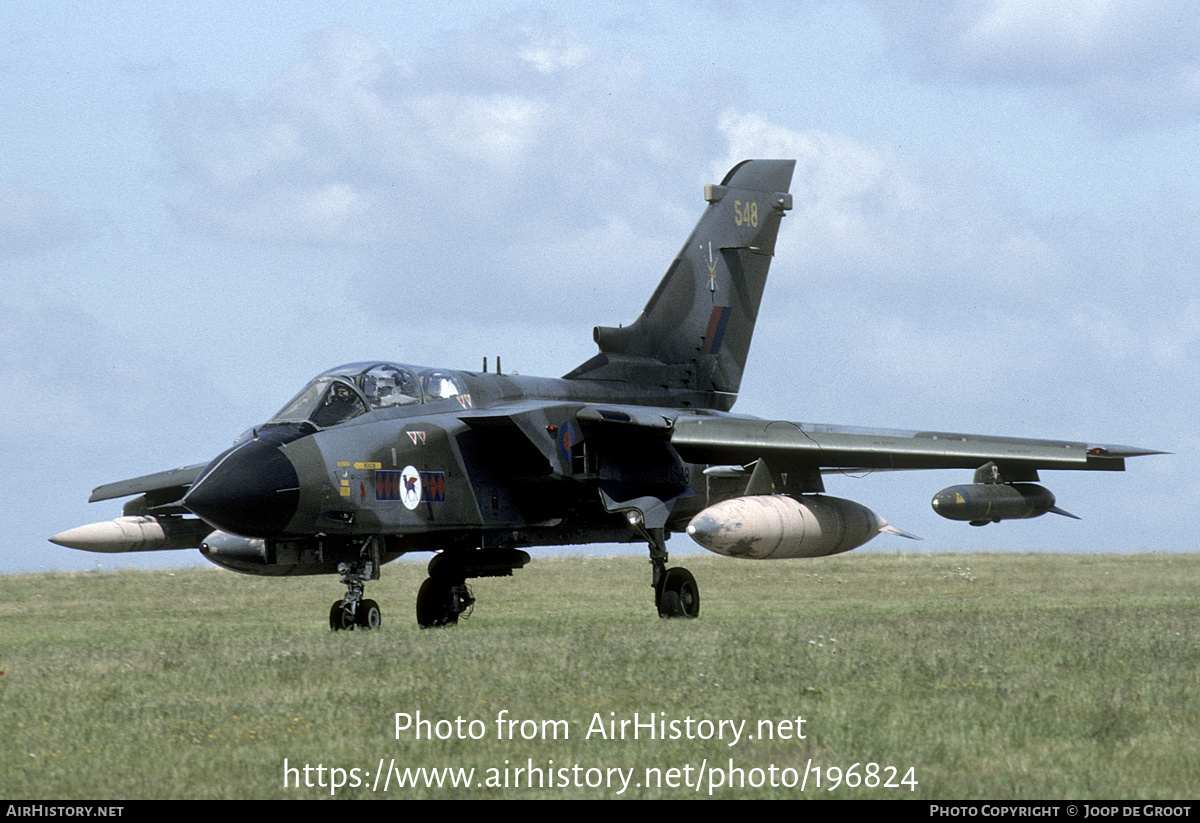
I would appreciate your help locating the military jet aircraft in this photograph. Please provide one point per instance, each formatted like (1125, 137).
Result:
(374, 460)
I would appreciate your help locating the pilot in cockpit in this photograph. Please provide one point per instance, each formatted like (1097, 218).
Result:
(341, 403)
(390, 386)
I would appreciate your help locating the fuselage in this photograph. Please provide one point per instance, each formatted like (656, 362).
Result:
(430, 458)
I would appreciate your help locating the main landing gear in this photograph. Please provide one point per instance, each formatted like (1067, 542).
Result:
(675, 591)
(677, 595)
(444, 596)
(440, 602)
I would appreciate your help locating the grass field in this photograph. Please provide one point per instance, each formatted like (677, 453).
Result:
(987, 676)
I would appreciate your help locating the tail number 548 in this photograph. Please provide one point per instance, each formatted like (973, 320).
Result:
(745, 213)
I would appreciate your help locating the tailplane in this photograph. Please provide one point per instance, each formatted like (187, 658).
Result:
(695, 331)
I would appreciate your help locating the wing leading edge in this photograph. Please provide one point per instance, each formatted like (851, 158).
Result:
(170, 484)
(733, 440)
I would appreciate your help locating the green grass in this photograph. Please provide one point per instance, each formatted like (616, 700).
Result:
(990, 676)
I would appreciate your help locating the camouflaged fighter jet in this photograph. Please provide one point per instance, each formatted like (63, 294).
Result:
(374, 460)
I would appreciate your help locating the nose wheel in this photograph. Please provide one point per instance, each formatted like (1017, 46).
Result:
(364, 614)
(353, 610)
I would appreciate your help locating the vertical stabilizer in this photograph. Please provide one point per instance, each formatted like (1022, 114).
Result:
(695, 331)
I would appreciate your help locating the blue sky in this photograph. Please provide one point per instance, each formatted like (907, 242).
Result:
(996, 225)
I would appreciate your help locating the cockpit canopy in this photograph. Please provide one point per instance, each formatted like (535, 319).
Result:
(346, 392)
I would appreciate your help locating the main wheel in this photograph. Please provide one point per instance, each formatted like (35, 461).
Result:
(679, 596)
(434, 607)
(339, 618)
(369, 616)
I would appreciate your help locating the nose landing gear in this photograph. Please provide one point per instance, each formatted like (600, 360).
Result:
(352, 610)
(364, 614)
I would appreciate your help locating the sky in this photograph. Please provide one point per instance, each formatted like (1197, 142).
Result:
(995, 230)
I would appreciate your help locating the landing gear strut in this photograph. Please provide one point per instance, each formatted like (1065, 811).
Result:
(444, 596)
(352, 610)
(675, 591)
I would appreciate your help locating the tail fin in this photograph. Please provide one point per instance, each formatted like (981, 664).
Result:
(695, 332)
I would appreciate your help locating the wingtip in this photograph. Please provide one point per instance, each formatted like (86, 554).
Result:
(1122, 451)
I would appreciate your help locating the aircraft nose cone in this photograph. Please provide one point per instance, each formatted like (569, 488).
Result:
(251, 490)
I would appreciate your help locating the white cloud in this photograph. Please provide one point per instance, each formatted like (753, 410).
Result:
(1128, 63)
(494, 132)
(462, 166)
(555, 53)
(1068, 30)
(355, 144)
(864, 211)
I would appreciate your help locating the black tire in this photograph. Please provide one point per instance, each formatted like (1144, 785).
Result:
(369, 617)
(433, 605)
(668, 605)
(680, 596)
(339, 618)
